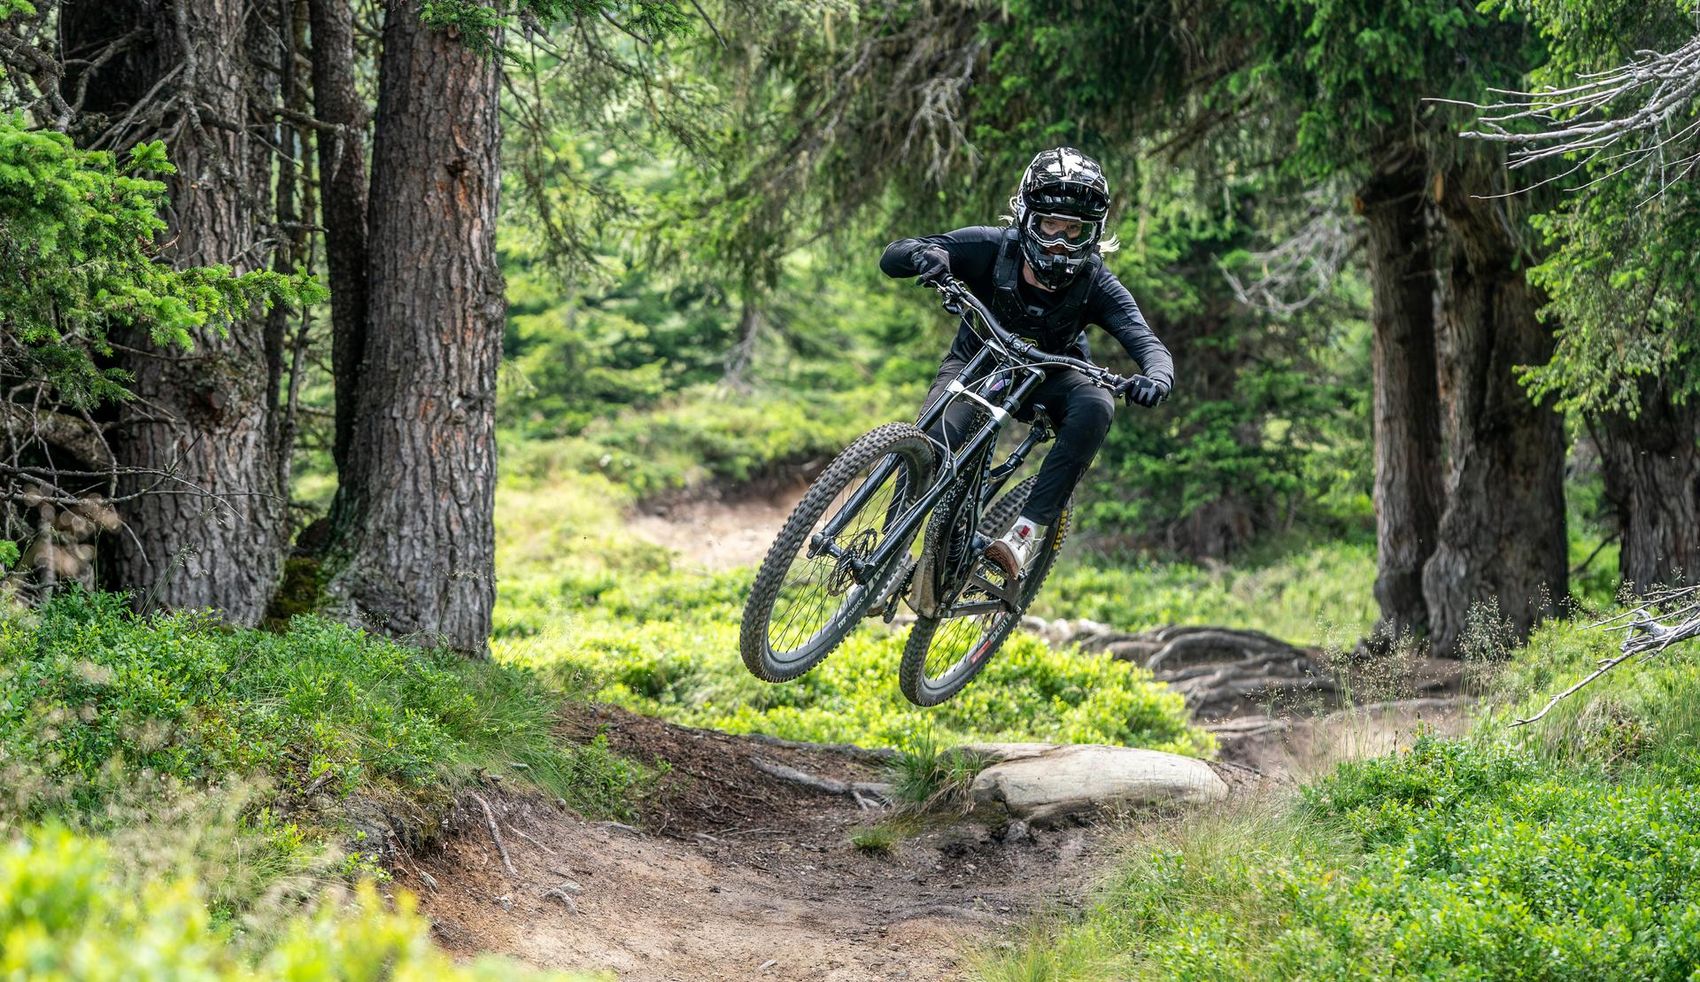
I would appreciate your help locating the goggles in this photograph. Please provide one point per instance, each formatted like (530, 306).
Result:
(1069, 231)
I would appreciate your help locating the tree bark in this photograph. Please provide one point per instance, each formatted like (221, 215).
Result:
(1502, 534)
(199, 436)
(342, 178)
(1406, 414)
(413, 517)
(1651, 465)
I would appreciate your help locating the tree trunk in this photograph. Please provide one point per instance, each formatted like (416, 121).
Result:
(1652, 476)
(342, 177)
(1502, 535)
(413, 518)
(295, 212)
(198, 439)
(1406, 411)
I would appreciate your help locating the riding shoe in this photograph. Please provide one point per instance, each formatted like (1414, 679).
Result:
(1012, 552)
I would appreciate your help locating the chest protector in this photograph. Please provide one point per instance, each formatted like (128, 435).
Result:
(1054, 327)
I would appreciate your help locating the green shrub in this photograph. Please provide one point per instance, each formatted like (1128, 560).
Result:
(66, 915)
(93, 699)
(686, 669)
(1569, 851)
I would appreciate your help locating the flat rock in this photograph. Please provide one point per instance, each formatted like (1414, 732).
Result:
(1044, 785)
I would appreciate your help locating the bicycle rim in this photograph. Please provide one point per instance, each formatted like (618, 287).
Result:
(809, 593)
(943, 654)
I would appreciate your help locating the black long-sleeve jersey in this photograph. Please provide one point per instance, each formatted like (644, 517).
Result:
(973, 258)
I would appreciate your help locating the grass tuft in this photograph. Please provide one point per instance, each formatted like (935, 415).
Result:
(928, 776)
(877, 840)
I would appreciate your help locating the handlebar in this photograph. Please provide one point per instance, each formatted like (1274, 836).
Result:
(957, 296)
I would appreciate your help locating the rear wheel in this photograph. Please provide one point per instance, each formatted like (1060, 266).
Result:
(945, 651)
(815, 584)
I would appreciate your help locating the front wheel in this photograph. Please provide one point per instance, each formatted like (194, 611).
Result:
(815, 583)
(945, 652)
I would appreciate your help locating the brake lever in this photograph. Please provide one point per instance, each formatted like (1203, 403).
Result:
(950, 293)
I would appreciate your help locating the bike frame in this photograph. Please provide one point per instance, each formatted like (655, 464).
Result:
(1005, 353)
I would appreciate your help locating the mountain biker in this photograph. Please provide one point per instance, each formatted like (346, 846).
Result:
(1044, 278)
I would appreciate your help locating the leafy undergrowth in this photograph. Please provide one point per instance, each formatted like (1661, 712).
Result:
(709, 435)
(93, 698)
(595, 609)
(1313, 593)
(1568, 850)
(204, 755)
(666, 644)
(69, 911)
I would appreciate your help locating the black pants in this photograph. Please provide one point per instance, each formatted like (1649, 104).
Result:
(1080, 410)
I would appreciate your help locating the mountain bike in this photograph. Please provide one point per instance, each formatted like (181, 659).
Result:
(898, 518)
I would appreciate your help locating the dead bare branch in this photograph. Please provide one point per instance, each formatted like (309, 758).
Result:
(1638, 116)
(1300, 269)
(495, 833)
(1643, 635)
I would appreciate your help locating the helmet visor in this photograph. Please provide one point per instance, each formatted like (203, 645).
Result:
(1069, 231)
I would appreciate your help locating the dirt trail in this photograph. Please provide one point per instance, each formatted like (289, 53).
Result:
(716, 534)
(733, 874)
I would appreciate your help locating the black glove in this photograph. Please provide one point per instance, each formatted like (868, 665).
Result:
(931, 262)
(1147, 392)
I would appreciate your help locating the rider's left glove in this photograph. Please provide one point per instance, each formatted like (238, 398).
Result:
(931, 262)
(1147, 392)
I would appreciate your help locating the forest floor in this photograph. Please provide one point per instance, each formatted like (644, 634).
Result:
(731, 873)
(714, 533)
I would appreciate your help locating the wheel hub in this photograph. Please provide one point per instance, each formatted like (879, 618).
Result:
(856, 552)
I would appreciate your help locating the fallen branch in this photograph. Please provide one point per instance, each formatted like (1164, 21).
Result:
(878, 755)
(495, 833)
(858, 791)
(530, 840)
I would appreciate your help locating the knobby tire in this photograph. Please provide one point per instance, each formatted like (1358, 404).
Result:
(796, 590)
(967, 644)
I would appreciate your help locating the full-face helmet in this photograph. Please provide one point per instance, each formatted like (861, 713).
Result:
(1059, 212)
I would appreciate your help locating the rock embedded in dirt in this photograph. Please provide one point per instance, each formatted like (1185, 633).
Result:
(1042, 786)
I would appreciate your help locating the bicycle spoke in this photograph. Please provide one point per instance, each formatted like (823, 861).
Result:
(816, 588)
(957, 639)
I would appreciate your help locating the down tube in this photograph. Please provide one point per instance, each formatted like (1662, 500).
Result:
(929, 416)
(911, 518)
